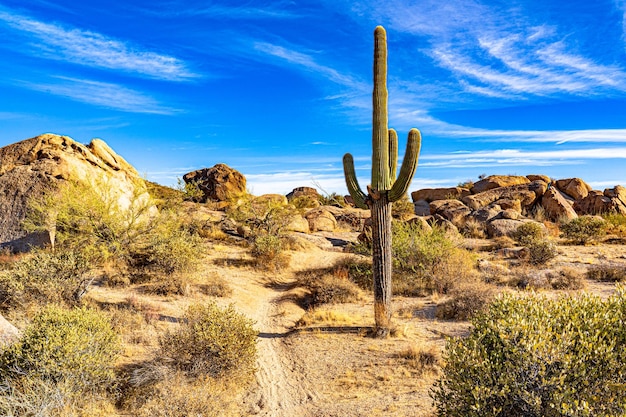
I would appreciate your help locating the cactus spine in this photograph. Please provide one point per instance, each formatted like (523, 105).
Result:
(385, 187)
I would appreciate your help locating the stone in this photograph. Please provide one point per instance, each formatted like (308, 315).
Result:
(321, 220)
(595, 203)
(556, 206)
(422, 208)
(527, 194)
(503, 227)
(543, 178)
(303, 191)
(498, 181)
(298, 224)
(573, 187)
(617, 192)
(485, 214)
(43, 163)
(218, 183)
(432, 194)
(8, 332)
(452, 210)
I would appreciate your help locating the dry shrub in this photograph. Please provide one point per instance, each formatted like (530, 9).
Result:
(607, 273)
(45, 277)
(175, 395)
(176, 284)
(421, 357)
(473, 228)
(616, 224)
(215, 286)
(268, 253)
(466, 300)
(428, 260)
(502, 242)
(567, 278)
(211, 341)
(323, 316)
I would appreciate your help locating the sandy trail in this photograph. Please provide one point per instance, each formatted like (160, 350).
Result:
(282, 388)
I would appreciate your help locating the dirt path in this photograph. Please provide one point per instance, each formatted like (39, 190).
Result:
(282, 388)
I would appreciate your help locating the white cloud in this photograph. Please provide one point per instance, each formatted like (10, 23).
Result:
(308, 63)
(54, 41)
(102, 94)
(515, 157)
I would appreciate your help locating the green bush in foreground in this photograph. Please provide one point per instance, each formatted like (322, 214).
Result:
(538, 357)
(75, 348)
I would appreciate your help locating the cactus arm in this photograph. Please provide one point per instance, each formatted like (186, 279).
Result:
(409, 165)
(380, 135)
(352, 183)
(393, 154)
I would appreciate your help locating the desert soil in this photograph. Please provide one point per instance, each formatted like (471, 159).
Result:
(331, 367)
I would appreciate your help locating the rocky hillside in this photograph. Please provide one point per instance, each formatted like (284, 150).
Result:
(30, 167)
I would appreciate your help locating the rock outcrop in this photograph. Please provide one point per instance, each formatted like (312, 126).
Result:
(33, 166)
(218, 183)
(498, 181)
(303, 191)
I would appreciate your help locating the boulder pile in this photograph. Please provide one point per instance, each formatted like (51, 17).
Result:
(502, 203)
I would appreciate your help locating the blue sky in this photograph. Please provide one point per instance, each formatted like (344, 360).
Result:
(280, 90)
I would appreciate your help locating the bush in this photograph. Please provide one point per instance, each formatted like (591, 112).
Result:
(427, 260)
(616, 224)
(536, 356)
(541, 251)
(212, 341)
(46, 277)
(583, 229)
(607, 273)
(529, 232)
(75, 347)
(533, 236)
(466, 301)
(329, 287)
(175, 252)
(403, 209)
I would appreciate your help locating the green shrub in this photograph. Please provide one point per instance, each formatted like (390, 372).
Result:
(583, 229)
(212, 341)
(427, 260)
(615, 224)
(46, 277)
(176, 252)
(529, 232)
(77, 347)
(541, 251)
(533, 236)
(536, 356)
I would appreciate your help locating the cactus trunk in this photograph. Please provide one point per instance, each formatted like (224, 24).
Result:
(385, 187)
(381, 264)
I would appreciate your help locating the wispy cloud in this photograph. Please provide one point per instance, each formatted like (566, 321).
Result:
(245, 12)
(112, 96)
(516, 157)
(57, 42)
(307, 62)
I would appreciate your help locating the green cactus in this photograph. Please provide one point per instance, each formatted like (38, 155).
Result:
(385, 187)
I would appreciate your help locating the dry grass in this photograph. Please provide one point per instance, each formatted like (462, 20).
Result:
(607, 273)
(466, 300)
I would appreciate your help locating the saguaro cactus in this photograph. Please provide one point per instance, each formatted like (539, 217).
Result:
(385, 187)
